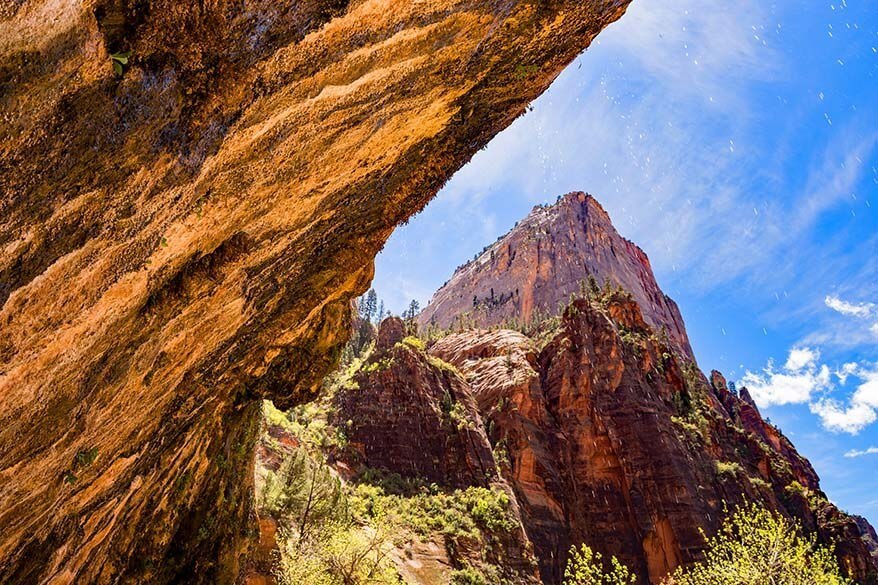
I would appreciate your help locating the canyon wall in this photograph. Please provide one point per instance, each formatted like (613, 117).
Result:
(603, 435)
(616, 442)
(597, 415)
(191, 195)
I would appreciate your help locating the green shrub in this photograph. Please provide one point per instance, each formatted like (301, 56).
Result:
(444, 366)
(460, 417)
(760, 483)
(586, 567)
(414, 343)
(455, 513)
(85, 457)
(755, 547)
(120, 61)
(730, 468)
(468, 576)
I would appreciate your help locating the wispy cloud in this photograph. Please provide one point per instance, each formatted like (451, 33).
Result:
(860, 310)
(860, 325)
(853, 453)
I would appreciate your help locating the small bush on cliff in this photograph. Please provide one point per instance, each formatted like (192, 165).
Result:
(586, 567)
(755, 547)
(469, 575)
(728, 468)
(414, 343)
(444, 366)
(460, 417)
(120, 61)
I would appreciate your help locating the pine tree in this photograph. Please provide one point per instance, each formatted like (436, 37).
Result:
(410, 315)
(369, 305)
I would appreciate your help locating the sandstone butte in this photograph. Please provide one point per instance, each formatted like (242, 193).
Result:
(182, 238)
(603, 428)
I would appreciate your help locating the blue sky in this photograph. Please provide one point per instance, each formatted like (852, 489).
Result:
(737, 144)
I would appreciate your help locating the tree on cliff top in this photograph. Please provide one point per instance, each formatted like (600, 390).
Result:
(369, 305)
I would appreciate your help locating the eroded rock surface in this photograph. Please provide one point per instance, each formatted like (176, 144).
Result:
(409, 413)
(183, 239)
(616, 442)
(413, 417)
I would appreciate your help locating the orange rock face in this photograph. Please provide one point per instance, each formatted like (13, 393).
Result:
(181, 238)
(548, 256)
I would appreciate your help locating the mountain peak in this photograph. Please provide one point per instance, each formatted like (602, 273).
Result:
(539, 263)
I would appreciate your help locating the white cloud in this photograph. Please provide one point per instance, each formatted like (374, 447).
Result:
(801, 358)
(859, 310)
(845, 371)
(855, 453)
(861, 409)
(795, 383)
(836, 417)
(804, 380)
(861, 326)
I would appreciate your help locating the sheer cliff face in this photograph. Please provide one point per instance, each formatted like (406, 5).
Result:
(539, 263)
(183, 239)
(614, 436)
(615, 442)
(401, 416)
(414, 415)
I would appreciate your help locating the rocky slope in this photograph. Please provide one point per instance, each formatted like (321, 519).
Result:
(604, 436)
(544, 259)
(414, 417)
(412, 414)
(181, 237)
(616, 442)
(600, 423)
(869, 536)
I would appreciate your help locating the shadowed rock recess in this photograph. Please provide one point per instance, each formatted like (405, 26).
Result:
(182, 237)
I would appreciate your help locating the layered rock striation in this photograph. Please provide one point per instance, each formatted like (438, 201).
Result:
(191, 195)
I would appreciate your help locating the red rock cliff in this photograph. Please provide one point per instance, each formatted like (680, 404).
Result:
(616, 442)
(614, 438)
(545, 258)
